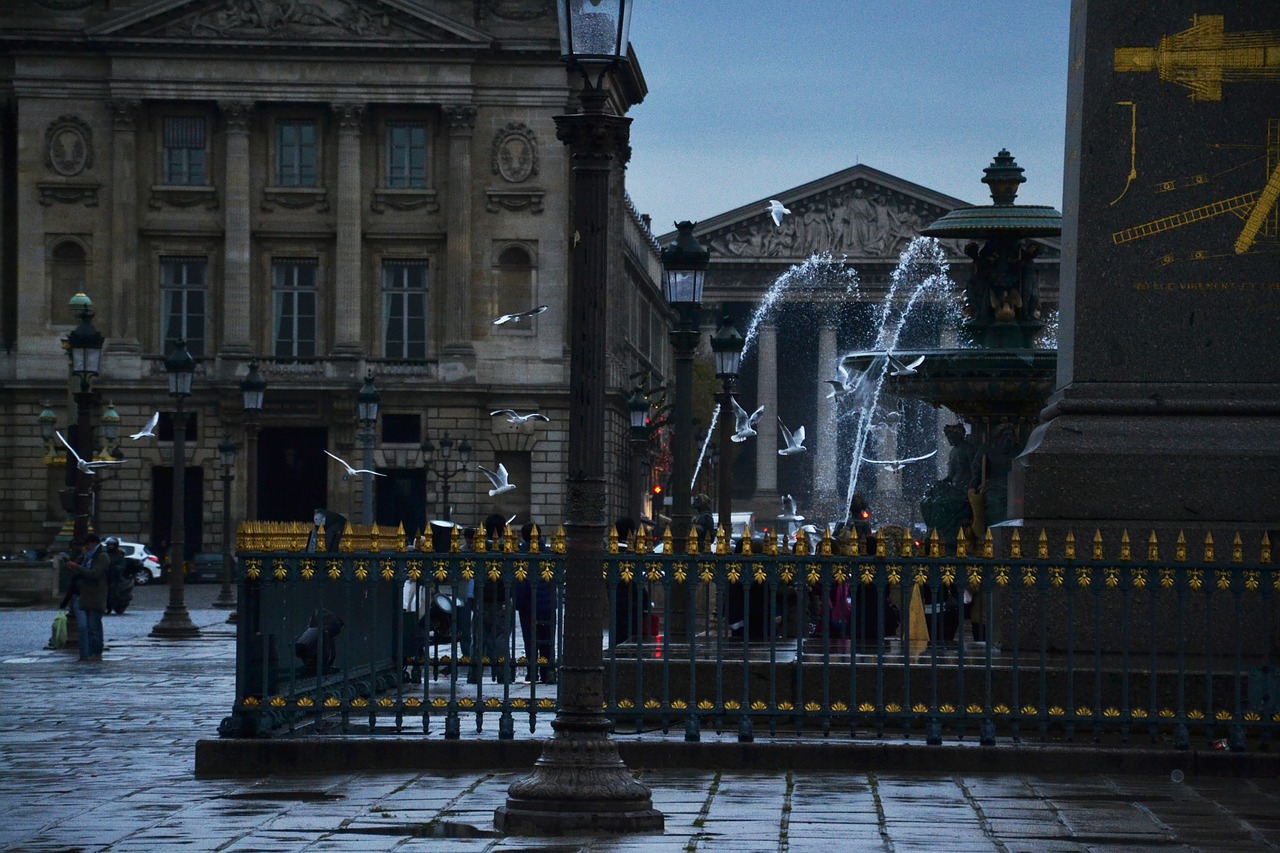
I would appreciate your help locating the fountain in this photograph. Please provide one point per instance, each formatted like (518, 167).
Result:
(999, 382)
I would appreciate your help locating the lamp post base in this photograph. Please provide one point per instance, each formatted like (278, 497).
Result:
(580, 784)
(224, 601)
(176, 624)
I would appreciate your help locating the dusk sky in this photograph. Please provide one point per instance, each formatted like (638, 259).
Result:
(748, 99)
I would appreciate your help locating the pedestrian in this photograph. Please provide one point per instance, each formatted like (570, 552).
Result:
(535, 601)
(90, 598)
(119, 581)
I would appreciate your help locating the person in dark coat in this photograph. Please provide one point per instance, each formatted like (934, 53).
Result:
(119, 581)
(491, 622)
(90, 600)
(536, 606)
(631, 603)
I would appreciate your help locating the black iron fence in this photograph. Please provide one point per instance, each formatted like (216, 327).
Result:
(816, 640)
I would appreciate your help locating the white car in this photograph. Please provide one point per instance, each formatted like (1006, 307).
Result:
(141, 563)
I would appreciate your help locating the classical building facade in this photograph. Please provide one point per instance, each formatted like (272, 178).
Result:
(326, 187)
(812, 289)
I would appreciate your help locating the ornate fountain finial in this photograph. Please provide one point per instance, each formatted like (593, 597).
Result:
(1003, 177)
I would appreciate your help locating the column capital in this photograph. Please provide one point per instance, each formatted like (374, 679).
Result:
(595, 135)
(124, 113)
(461, 118)
(235, 116)
(349, 117)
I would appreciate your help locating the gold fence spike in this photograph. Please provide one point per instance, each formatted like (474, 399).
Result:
(1126, 550)
(1180, 548)
(1153, 549)
(1097, 544)
(348, 542)
(375, 538)
(722, 541)
(824, 544)
(1042, 545)
(613, 540)
(398, 546)
(1237, 549)
(1015, 546)
(1069, 552)
(642, 541)
(455, 540)
(962, 544)
(535, 539)
(558, 541)
(905, 548)
(478, 543)
(668, 541)
(935, 545)
(1264, 556)
(1208, 547)
(691, 543)
(854, 548)
(746, 540)
(988, 545)
(802, 542)
(510, 540)
(771, 544)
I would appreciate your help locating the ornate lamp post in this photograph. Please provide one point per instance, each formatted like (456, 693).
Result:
(638, 409)
(109, 426)
(580, 782)
(48, 426)
(726, 345)
(443, 469)
(85, 343)
(253, 387)
(684, 268)
(367, 415)
(227, 454)
(176, 623)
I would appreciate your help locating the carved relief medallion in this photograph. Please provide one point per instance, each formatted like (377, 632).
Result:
(515, 153)
(68, 146)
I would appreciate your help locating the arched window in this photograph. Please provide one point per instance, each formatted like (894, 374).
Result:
(68, 269)
(513, 281)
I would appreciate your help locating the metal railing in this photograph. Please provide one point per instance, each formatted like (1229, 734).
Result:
(373, 638)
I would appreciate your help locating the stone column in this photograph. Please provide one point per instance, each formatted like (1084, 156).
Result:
(236, 296)
(123, 320)
(824, 441)
(766, 442)
(457, 326)
(347, 279)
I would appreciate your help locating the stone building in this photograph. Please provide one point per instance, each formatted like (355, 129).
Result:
(326, 187)
(863, 219)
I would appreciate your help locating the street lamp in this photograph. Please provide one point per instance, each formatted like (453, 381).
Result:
(253, 387)
(684, 268)
(726, 345)
(580, 782)
(638, 408)
(85, 343)
(176, 623)
(48, 427)
(367, 415)
(443, 469)
(227, 454)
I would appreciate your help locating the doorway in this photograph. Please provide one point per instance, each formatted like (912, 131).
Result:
(401, 499)
(292, 473)
(162, 511)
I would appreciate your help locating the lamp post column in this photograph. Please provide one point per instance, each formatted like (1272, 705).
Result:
(251, 466)
(84, 447)
(725, 472)
(176, 623)
(226, 598)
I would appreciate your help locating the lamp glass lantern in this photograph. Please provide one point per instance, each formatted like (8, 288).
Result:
(446, 447)
(48, 423)
(85, 342)
(684, 267)
(110, 423)
(367, 401)
(181, 368)
(227, 452)
(594, 33)
(464, 452)
(727, 345)
(253, 387)
(638, 409)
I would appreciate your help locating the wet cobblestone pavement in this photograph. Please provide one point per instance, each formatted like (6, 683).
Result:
(100, 757)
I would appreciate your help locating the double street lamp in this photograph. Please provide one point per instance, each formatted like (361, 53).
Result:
(445, 467)
(176, 623)
(227, 455)
(580, 782)
(726, 345)
(85, 343)
(367, 416)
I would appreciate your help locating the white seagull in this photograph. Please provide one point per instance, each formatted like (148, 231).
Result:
(789, 509)
(499, 480)
(514, 417)
(777, 211)
(745, 425)
(516, 318)
(895, 465)
(351, 472)
(148, 431)
(794, 440)
(900, 369)
(86, 467)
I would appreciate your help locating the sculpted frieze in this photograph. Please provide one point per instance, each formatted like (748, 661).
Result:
(276, 18)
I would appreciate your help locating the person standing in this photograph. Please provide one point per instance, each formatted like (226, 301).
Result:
(90, 599)
(119, 581)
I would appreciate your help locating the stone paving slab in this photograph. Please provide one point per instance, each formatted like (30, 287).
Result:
(102, 758)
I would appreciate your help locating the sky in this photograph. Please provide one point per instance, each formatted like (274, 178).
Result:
(748, 99)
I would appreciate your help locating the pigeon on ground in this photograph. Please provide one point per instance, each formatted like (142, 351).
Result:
(777, 211)
(86, 467)
(148, 431)
(514, 417)
(897, 368)
(498, 479)
(745, 423)
(794, 440)
(895, 465)
(516, 318)
(351, 472)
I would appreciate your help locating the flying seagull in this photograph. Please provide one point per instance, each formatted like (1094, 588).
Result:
(745, 423)
(86, 467)
(514, 417)
(794, 440)
(499, 480)
(789, 509)
(777, 211)
(895, 465)
(516, 318)
(148, 431)
(351, 472)
(900, 369)
(851, 382)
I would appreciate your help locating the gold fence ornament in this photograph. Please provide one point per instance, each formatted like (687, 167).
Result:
(558, 541)
(824, 544)
(348, 542)
(1042, 545)
(802, 542)
(1237, 549)
(962, 545)
(612, 541)
(1180, 549)
(1264, 556)
(1015, 546)
(398, 547)
(1208, 547)
(691, 543)
(508, 539)
(477, 542)
(455, 540)
(1097, 544)
(771, 544)
(881, 550)
(1069, 551)
(668, 541)
(746, 540)
(722, 541)
(905, 550)
(375, 538)
(642, 541)
(1126, 549)
(1153, 549)
(988, 545)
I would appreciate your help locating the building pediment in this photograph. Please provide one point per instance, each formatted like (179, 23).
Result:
(286, 21)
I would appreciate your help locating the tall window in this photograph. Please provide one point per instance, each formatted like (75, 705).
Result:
(404, 309)
(406, 155)
(513, 282)
(293, 283)
(183, 292)
(184, 150)
(295, 153)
